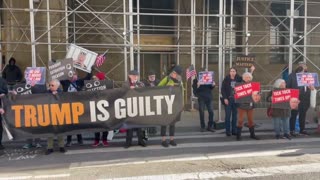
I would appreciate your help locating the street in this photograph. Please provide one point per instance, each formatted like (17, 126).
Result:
(199, 155)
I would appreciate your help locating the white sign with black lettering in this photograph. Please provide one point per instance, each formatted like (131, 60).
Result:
(93, 85)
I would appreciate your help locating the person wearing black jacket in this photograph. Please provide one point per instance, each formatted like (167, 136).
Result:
(74, 85)
(227, 92)
(3, 92)
(204, 94)
(133, 83)
(304, 97)
(12, 73)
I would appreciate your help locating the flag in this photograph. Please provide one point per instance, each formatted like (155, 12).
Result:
(190, 72)
(100, 60)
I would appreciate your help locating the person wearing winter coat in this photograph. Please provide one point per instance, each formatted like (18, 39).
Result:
(280, 116)
(205, 99)
(304, 97)
(12, 73)
(230, 107)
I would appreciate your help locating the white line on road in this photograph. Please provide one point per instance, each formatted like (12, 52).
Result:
(98, 164)
(239, 173)
(45, 176)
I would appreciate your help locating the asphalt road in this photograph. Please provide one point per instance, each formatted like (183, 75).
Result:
(197, 156)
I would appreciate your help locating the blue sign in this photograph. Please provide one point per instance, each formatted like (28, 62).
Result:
(307, 79)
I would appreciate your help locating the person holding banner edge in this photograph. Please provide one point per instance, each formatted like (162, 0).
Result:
(204, 94)
(133, 83)
(173, 79)
(74, 84)
(54, 90)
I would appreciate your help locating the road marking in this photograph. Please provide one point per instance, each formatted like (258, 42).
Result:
(97, 164)
(51, 176)
(15, 177)
(192, 145)
(35, 177)
(238, 173)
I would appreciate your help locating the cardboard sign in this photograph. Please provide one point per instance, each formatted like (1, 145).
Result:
(245, 61)
(35, 75)
(92, 85)
(206, 77)
(281, 98)
(22, 88)
(83, 59)
(307, 79)
(61, 70)
(247, 92)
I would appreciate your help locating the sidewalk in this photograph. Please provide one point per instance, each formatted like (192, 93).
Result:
(190, 121)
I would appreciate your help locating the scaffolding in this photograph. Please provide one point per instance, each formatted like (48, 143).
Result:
(277, 32)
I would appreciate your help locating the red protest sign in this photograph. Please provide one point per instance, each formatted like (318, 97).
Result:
(282, 97)
(248, 92)
(247, 89)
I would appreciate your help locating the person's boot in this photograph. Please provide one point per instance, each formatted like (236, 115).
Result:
(252, 134)
(239, 129)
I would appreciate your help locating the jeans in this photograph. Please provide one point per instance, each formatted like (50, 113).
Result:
(231, 110)
(281, 121)
(208, 103)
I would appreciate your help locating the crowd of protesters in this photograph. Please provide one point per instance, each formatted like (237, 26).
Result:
(284, 120)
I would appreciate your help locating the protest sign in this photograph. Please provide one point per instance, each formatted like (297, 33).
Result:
(281, 97)
(22, 88)
(93, 85)
(206, 77)
(46, 115)
(61, 70)
(247, 92)
(307, 79)
(35, 75)
(83, 59)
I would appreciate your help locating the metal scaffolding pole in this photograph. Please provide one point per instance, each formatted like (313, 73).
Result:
(231, 33)
(49, 32)
(305, 29)
(32, 35)
(138, 36)
(203, 32)
(247, 28)
(291, 35)
(125, 41)
(66, 23)
(220, 54)
(224, 39)
(193, 55)
(131, 35)
(208, 32)
(178, 33)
